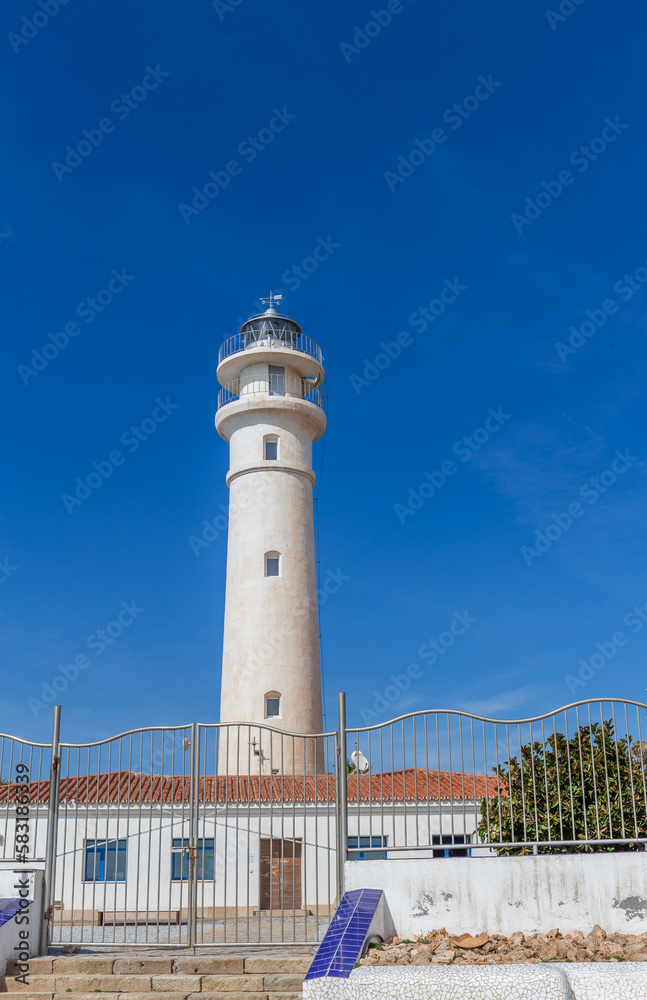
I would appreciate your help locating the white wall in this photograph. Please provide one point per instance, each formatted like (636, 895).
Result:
(149, 830)
(504, 895)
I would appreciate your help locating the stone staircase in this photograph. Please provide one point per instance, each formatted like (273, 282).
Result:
(144, 977)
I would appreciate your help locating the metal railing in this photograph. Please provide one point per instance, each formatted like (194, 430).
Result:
(187, 836)
(453, 783)
(269, 385)
(27, 773)
(237, 833)
(247, 342)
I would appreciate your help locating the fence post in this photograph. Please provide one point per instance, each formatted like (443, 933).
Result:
(52, 833)
(194, 804)
(342, 786)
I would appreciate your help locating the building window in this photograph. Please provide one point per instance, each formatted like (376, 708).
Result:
(277, 380)
(273, 705)
(446, 848)
(362, 848)
(180, 859)
(271, 448)
(105, 861)
(272, 564)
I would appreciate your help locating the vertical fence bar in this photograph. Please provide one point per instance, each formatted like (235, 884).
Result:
(342, 792)
(192, 915)
(52, 830)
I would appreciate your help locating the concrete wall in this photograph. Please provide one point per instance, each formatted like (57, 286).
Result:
(504, 895)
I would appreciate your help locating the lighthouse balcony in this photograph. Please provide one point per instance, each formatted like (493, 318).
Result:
(271, 335)
(270, 343)
(259, 385)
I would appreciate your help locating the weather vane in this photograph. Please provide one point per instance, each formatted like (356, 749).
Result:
(272, 299)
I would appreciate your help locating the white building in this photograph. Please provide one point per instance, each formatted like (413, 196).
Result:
(264, 843)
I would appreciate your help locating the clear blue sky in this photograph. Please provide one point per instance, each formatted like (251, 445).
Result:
(352, 109)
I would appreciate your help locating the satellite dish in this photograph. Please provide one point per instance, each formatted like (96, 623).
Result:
(360, 762)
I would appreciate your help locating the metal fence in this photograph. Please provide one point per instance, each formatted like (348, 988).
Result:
(452, 783)
(187, 835)
(238, 833)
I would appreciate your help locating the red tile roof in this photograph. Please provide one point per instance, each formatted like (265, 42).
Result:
(412, 784)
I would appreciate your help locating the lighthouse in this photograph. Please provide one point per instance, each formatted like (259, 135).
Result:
(270, 412)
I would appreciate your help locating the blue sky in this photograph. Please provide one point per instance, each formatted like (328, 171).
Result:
(412, 197)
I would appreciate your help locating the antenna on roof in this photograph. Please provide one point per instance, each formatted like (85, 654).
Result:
(360, 761)
(272, 298)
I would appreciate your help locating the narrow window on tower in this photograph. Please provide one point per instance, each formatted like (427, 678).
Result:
(273, 705)
(271, 443)
(272, 564)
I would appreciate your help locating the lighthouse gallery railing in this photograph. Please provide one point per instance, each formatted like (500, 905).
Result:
(269, 385)
(249, 342)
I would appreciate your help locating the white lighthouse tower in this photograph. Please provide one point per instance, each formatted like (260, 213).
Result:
(270, 411)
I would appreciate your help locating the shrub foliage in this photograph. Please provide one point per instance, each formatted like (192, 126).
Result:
(589, 787)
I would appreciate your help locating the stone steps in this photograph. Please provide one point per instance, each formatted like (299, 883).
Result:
(208, 977)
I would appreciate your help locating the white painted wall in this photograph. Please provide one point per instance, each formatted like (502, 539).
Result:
(149, 830)
(504, 895)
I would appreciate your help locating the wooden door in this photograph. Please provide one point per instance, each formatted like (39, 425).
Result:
(280, 874)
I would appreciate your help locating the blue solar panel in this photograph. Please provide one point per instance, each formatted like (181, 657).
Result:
(343, 941)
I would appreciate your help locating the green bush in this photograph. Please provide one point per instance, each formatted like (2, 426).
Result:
(591, 786)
